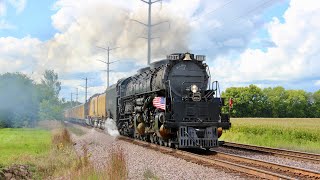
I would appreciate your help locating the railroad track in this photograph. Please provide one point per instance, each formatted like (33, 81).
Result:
(250, 167)
(289, 154)
(246, 166)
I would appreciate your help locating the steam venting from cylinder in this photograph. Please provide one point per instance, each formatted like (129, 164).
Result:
(111, 128)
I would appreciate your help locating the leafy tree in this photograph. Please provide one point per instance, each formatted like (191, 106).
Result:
(297, 103)
(314, 102)
(51, 82)
(248, 101)
(277, 98)
(50, 110)
(50, 106)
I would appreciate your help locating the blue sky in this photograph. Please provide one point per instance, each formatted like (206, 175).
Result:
(34, 20)
(245, 42)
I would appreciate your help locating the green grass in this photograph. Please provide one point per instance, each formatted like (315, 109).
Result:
(290, 133)
(18, 142)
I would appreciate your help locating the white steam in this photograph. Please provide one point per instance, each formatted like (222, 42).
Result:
(83, 26)
(111, 128)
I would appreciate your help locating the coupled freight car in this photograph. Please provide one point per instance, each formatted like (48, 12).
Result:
(171, 102)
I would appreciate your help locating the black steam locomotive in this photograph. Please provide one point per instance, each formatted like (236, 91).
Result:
(172, 102)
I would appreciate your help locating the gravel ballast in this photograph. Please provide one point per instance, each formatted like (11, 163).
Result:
(140, 159)
(272, 159)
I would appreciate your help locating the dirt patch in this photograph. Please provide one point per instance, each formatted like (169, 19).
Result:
(16, 172)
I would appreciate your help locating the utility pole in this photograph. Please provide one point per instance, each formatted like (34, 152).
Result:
(108, 49)
(77, 96)
(86, 89)
(71, 99)
(149, 26)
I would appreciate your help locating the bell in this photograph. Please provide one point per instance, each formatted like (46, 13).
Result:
(187, 57)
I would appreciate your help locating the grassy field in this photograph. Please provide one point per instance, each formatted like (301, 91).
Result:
(290, 133)
(17, 142)
(50, 153)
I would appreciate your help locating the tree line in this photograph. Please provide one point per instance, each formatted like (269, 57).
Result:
(23, 102)
(276, 102)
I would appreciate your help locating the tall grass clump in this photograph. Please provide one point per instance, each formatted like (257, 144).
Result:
(61, 138)
(117, 164)
(61, 158)
(55, 161)
(289, 133)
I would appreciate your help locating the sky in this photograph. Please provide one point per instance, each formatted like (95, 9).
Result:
(263, 42)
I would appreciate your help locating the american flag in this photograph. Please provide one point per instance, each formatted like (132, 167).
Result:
(159, 102)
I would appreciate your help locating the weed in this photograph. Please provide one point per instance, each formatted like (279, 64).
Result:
(149, 175)
(117, 164)
(61, 138)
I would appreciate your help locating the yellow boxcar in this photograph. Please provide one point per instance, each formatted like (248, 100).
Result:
(97, 106)
(92, 106)
(101, 109)
(76, 112)
(79, 112)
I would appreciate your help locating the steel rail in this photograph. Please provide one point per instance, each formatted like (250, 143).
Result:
(205, 160)
(292, 171)
(213, 160)
(295, 155)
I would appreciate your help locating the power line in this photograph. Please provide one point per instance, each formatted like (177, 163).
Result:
(108, 49)
(216, 9)
(255, 8)
(149, 26)
(265, 3)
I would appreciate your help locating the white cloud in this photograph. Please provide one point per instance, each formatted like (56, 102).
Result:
(3, 8)
(18, 4)
(20, 54)
(224, 27)
(83, 25)
(295, 55)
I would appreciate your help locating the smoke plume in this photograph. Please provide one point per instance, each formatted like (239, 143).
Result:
(83, 26)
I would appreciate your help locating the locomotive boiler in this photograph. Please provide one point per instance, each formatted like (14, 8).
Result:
(172, 102)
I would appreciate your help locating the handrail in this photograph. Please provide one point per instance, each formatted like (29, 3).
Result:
(209, 82)
(169, 83)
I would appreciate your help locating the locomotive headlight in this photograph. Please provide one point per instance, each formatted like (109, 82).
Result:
(194, 88)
